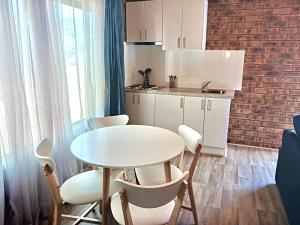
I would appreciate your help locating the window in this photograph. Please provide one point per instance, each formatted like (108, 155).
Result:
(81, 29)
(73, 40)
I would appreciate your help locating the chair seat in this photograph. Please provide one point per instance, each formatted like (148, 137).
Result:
(142, 216)
(85, 188)
(155, 174)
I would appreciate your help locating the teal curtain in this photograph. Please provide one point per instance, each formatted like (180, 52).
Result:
(114, 58)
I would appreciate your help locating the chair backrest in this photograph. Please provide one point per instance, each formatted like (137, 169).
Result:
(95, 123)
(151, 196)
(43, 154)
(80, 127)
(193, 142)
(191, 137)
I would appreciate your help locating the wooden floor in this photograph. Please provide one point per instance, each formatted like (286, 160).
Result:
(237, 190)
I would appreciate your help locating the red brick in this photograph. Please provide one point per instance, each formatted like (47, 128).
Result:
(296, 10)
(282, 11)
(293, 36)
(279, 24)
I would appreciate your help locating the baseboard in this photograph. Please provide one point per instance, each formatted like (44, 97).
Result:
(214, 151)
(254, 147)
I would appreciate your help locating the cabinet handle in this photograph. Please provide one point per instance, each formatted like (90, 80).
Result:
(133, 99)
(181, 103)
(184, 42)
(209, 105)
(146, 34)
(203, 104)
(178, 42)
(140, 34)
(139, 99)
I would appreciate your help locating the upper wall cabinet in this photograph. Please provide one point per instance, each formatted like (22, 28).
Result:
(184, 24)
(144, 21)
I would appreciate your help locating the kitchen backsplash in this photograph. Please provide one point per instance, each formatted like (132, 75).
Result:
(141, 57)
(223, 68)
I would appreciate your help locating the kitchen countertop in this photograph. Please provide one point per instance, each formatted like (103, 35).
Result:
(194, 92)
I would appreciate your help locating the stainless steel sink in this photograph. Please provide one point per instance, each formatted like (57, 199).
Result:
(213, 91)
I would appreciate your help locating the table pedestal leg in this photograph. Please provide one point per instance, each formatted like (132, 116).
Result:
(167, 166)
(105, 197)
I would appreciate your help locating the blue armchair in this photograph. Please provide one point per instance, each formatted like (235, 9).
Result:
(288, 172)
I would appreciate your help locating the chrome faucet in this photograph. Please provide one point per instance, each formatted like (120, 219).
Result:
(204, 85)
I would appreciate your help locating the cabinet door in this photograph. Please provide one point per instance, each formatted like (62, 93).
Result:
(153, 21)
(194, 108)
(146, 109)
(172, 23)
(134, 21)
(216, 122)
(131, 107)
(169, 111)
(194, 24)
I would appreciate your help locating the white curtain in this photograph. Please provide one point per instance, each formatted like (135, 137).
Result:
(51, 75)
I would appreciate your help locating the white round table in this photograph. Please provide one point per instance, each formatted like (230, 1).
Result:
(126, 147)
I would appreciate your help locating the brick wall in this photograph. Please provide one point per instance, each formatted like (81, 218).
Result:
(269, 31)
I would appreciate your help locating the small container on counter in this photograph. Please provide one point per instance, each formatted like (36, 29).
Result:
(172, 81)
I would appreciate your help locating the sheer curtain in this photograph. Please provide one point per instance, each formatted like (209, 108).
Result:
(80, 26)
(50, 77)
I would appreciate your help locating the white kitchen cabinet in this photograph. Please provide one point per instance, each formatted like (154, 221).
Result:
(216, 122)
(134, 21)
(208, 116)
(146, 108)
(153, 21)
(194, 110)
(131, 107)
(144, 21)
(194, 23)
(169, 111)
(140, 108)
(172, 23)
(184, 24)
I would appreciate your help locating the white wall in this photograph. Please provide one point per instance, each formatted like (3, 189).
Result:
(223, 68)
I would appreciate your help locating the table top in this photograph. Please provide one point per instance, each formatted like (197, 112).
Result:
(127, 146)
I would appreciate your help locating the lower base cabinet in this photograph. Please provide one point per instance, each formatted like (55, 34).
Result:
(169, 111)
(146, 109)
(131, 107)
(194, 112)
(208, 116)
(216, 122)
(140, 108)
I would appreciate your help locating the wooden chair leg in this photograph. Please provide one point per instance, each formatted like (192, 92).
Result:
(51, 212)
(57, 215)
(179, 160)
(178, 204)
(125, 175)
(100, 207)
(192, 200)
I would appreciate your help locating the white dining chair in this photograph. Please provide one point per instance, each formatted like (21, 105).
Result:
(80, 189)
(99, 122)
(154, 175)
(148, 205)
(108, 121)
